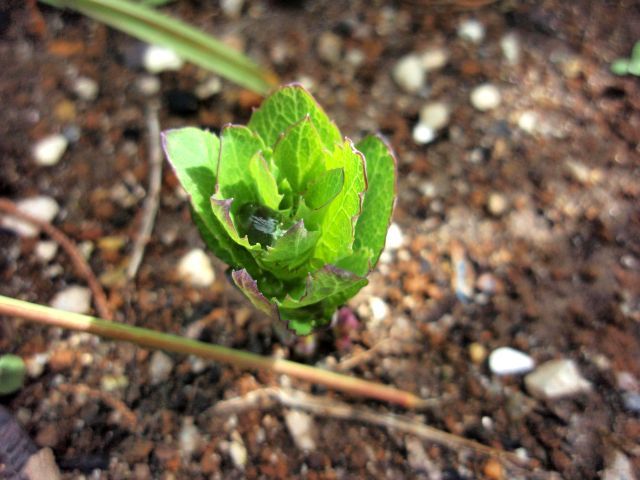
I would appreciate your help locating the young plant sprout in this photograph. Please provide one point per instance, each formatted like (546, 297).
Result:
(299, 212)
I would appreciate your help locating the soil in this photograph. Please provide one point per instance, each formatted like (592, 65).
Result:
(553, 267)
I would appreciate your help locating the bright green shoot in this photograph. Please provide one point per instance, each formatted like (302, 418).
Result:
(628, 66)
(298, 212)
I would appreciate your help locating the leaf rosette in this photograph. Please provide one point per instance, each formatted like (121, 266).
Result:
(298, 212)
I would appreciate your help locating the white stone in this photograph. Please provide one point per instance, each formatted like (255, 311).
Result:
(159, 59)
(232, 8)
(379, 308)
(148, 85)
(301, 427)
(497, 204)
(395, 238)
(237, 451)
(160, 367)
(49, 150)
(86, 88)
(329, 47)
(509, 361)
(46, 250)
(189, 438)
(555, 379)
(423, 134)
(510, 45)
(41, 208)
(528, 122)
(434, 59)
(75, 299)
(619, 467)
(485, 97)
(195, 268)
(471, 30)
(207, 89)
(409, 73)
(435, 115)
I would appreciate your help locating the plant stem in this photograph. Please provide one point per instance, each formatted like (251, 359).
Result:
(174, 343)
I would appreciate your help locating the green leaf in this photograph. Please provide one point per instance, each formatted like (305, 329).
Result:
(299, 155)
(193, 154)
(287, 106)
(249, 287)
(12, 373)
(290, 252)
(635, 52)
(321, 285)
(337, 223)
(325, 188)
(265, 182)
(238, 145)
(634, 67)
(620, 66)
(151, 26)
(377, 205)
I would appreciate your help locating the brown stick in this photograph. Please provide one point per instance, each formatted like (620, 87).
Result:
(81, 266)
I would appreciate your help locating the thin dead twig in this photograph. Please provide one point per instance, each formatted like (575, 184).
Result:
(270, 397)
(152, 201)
(361, 357)
(80, 264)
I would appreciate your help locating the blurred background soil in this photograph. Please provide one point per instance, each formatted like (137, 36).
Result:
(517, 225)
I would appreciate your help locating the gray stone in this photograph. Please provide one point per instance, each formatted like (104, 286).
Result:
(160, 367)
(301, 427)
(409, 73)
(85, 88)
(41, 208)
(485, 97)
(329, 47)
(556, 379)
(435, 115)
(75, 299)
(195, 268)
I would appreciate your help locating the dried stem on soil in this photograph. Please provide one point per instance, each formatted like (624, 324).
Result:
(270, 397)
(173, 343)
(153, 194)
(81, 266)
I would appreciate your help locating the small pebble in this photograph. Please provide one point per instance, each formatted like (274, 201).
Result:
(477, 353)
(435, 115)
(497, 204)
(434, 59)
(160, 367)
(528, 122)
(379, 308)
(395, 238)
(237, 451)
(423, 134)
(158, 59)
(487, 283)
(232, 8)
(148, 85)
(49, 150)
(409, 73)
(195, 268)
(41, 208)
(207, 89)
(46, 250)
(73, 299)
(329, 47)
(493, 469)
(85, 88)
(189, 438)
(631, 401)
(485, 97)
(301, 427)
(471, 30)
(555, 379)
(508, 361)
(510, 45)
(618, 467)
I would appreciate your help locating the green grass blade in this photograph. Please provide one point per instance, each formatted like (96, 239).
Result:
(151, 26)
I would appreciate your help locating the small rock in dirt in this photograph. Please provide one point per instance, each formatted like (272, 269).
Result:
(435, 115)
(497, 204)
(85, 88)
(618, 467)
(208, 88)
(528, 122)
(477, 353)
(419, 460)
(160, 367)
(631, 401)
(182, 102)
(148, 85)
(232, 8)
(329, 47)
(301, 427)
(508, 361)
(485, 97)
(195, 268)
(237, 451)
(189, 438)
(46, 250)
(49, 150)
(510, 45)
(379, 308)
(555, 379)
(471, 30)
(409, 73)
(395, 237)
(41, 208)
(75, 299)
(487, 283)
(423, 134)
(434, 59)
(158, 59)
(493, 469)
(36, 363)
